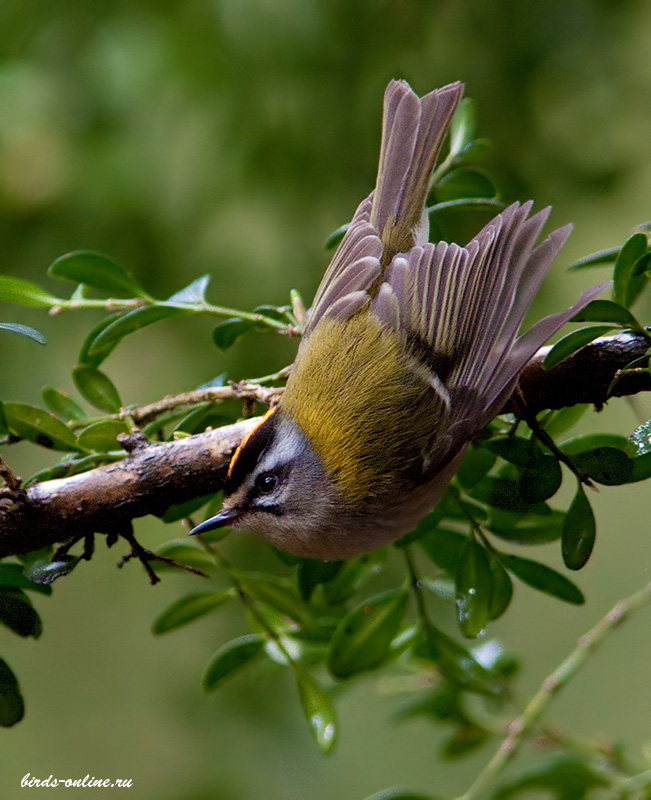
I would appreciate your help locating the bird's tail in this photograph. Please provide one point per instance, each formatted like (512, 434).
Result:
(412, 132)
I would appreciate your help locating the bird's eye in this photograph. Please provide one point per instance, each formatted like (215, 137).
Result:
(266, 482)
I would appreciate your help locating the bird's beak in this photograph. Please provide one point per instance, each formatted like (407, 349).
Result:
(225, 517)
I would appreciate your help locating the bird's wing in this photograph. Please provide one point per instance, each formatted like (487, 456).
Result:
(461, 307)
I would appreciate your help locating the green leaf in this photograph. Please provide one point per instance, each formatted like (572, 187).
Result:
(230, 658)
(228, 332)
(532, 528)
(190, 607)
(461, 204)
(565, 418)
(516, 450)
(354, 573)
(606, 465)
(185, 552)
(625, 283)
(563, 776)
(595, 259)
(606, 311)
(45, 571)
(363, 637)
(311, 573)
(640, 439)
(444, 548)
(501, 589)
(477, 463)
(463, 183)
(335, 237)
(131, 322)
(96, 270)
(38, 426)
(318, 711)
(279, 597)
(62, 405)
(456, 663)
(463, 126)
(591, 441)
(194, 294)
(24, 293)
(12, 706)
(101, 353)
(474, 151)
(543, 578)
(102, 436)
(398, 794)
(579, 532)
(17, 612)
(572, 342)
(97, 388)
(184, 510)
(502, 493)
(12, 575)
(23, 330)
(473, 589)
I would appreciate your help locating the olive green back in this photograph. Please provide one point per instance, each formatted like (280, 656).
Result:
(366, 406)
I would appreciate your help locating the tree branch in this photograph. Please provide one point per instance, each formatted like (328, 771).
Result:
(154, 477)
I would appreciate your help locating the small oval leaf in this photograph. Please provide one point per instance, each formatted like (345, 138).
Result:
(188, 608)
(185, 552)
(362, 639)
(99, 353)
(279, 597)
(38, 426)
(501, 589)
(13, 575)
(462, 126)
(318, 711)
(23, 330)
(456, 663)
(24, 293)
(579, 532)
(606, 465)
(596, 259)
(102, 436)
(194, 294)
(12, 706)
(572, 342)
(97, 388)
(544, 578)
(62, 405)
(473, 586)
(606, 311)
(444, 548)
(45, 571)
(624, 281)
(18, 614)
(132, 321)
(96, 270)
(230, 658)
(464, 183)
(228, 332)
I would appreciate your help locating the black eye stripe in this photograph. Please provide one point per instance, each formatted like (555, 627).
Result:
(247, 456)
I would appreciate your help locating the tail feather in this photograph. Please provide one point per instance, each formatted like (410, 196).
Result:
(412, 132)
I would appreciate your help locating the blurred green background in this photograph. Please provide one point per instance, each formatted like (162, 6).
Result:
(231, 137)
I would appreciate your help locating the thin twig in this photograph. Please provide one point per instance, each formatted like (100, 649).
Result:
(520, 727)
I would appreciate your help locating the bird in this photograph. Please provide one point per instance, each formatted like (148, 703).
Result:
(410, 348)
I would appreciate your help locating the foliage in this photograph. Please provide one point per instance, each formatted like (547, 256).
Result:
(331, 623)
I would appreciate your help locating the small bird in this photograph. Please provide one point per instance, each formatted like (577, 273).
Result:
(409, 350)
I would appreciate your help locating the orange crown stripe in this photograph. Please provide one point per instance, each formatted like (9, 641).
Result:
(246, 439)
